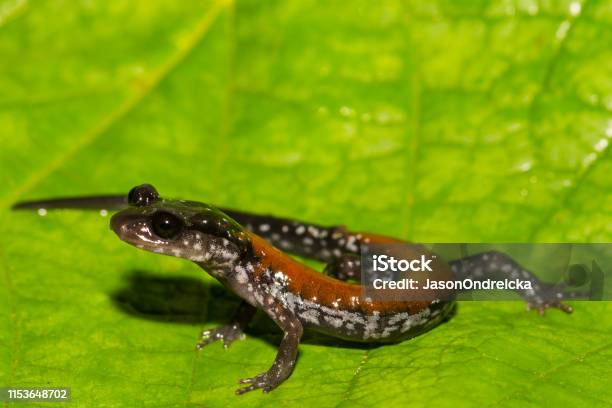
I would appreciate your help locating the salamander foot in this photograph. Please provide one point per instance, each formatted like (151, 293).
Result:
(266, 382)
(541, 306)
(228, 334)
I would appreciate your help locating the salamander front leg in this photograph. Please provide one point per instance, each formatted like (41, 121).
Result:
(286, 356)
(231, 332)
(497, 266)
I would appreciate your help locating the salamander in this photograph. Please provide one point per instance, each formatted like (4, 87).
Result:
(246, 253)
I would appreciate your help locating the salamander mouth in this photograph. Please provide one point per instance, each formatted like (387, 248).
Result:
(134, 229)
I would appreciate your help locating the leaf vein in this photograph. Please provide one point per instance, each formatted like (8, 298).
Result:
(195, 38)
(353, 381)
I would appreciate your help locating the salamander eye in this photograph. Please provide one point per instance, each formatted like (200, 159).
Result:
(166, 225)
(142, 195)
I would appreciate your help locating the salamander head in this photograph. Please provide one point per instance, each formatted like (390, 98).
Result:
(184, 229)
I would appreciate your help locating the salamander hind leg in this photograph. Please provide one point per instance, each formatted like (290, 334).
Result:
(498, 266)
(550, 295)
(231, 332)
(347, 266)
(286, 356)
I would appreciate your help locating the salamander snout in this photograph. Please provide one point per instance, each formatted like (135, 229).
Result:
(132, 227)
(117, 223)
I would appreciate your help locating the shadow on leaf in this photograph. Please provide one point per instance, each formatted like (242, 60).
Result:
(174, 299)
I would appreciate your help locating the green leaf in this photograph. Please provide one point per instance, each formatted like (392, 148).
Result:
(431, 121)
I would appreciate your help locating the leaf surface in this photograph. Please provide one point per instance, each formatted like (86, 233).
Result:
(431, 121)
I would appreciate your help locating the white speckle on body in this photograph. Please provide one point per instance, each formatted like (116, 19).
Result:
(334, 321)
(311, 316)
(350, 245)
(241, 275)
